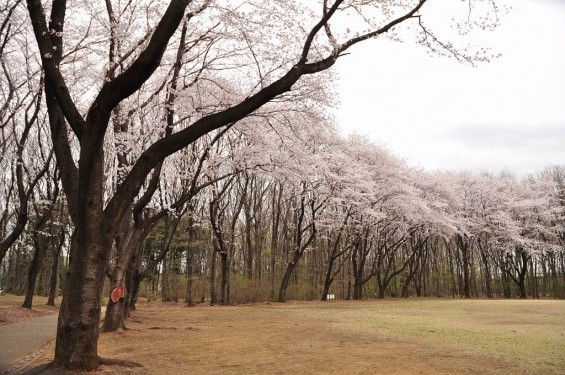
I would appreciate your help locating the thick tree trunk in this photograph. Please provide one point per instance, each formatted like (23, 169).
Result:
(79, 316)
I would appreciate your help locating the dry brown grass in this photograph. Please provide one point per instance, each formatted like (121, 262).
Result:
(376, 337)
(11, 310)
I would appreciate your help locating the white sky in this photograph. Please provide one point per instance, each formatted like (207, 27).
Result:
(440, 114)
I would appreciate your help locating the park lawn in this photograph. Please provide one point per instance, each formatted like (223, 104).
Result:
(529, 334)
(415, 336)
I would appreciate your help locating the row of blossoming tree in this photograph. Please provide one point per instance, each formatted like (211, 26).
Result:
(323, 209)
(347, 211)
(145, 140)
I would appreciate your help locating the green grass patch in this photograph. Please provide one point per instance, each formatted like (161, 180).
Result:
(527, 333)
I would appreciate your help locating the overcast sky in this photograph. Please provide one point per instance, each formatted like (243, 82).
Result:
(440, 114)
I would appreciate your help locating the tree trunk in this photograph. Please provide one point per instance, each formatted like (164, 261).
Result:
(137, 278)
(357, 287)
(189, 299)
(248, 243)
(412, 266)
(285, 280)
(53, 279)
(79, 316)
(165, 292)
(488, 277)
(17, 272)
(33, 271)
(130, 282)
(507, 293)
(115, 315)
(275, 220)
(115, 311)
(213, 297)
(407, 281)
(522, 288)
(224, 298)
(534, 279)
(288, 273)
(328, 280)
(358, 290)
(464, 248)
(357, 271)
(128, 248)
(522, 274)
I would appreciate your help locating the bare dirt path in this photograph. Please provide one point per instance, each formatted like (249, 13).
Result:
(19, 339)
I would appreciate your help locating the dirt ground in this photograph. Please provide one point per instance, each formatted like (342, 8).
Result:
(11, 310)
(269, 339)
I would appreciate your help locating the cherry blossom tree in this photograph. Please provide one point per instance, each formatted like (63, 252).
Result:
(312, 44)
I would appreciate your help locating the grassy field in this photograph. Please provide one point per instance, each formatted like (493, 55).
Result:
(415, 336)
(529, 334)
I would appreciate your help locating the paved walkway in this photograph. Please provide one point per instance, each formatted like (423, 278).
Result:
(19, 339)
